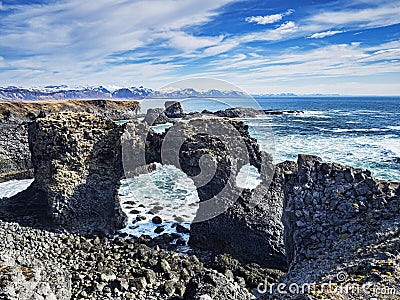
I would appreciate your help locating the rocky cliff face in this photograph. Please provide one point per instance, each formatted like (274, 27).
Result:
(250, 229)
(340, 219)
(78, 165)
(15, 158)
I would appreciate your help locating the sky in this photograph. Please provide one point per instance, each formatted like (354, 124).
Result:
(270, 46)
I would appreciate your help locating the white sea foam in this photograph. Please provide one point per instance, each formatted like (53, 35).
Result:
(167, 192)
(340, 130)
(13, 187)
(161, 127)
(314, 114)
(367, 152)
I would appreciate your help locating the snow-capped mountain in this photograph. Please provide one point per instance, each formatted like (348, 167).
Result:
(63, 92)
(190, 92)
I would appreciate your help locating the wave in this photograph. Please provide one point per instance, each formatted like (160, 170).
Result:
(394, 127)
(341, 130)
(315, 114)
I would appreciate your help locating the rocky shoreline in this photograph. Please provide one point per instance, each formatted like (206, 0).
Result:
(306, 223)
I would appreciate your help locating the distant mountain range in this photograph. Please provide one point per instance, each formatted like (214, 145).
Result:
(62, 92)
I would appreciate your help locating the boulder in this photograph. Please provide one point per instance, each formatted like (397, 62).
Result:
(238, 112)
(173, 109)
(156, 116)
(210, 284)
(32, 280)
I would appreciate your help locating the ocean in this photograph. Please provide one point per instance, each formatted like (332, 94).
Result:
(362, 132)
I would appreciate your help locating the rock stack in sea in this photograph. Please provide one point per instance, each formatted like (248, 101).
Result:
(77, 161)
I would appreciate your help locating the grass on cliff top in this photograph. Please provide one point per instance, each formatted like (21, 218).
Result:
(50, 106)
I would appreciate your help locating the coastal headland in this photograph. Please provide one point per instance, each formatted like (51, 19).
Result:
(308, 223)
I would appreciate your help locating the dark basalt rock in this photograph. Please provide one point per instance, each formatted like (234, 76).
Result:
(251, 226)
(15, 158)
(78, 165)
(340, 220)
(237, 112)
(210, 284)
(173, 109)
(156, 116)
(211, 151)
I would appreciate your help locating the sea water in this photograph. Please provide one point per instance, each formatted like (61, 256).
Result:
(362, 132)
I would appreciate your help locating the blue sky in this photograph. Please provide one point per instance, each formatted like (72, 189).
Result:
(270, 46)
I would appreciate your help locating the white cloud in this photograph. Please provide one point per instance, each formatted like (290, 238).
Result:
(287, 27)
(189, 43)
(320, 35)
(282, 31)
(2, 62)
(370, 17)
(269, 19)
(73, 41)
(211, 51)
(327, 64)
(265, 20)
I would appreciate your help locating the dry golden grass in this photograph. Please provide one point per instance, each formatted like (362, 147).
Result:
(51, 106)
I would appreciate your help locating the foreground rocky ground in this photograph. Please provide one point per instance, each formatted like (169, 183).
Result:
(37, 264)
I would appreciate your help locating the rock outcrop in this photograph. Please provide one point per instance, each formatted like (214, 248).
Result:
(156, 116)
(77, 161)
(340, 220)
(15, 158)
(211, 151)
(237, 112)
(173, 109)
(251, 226)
